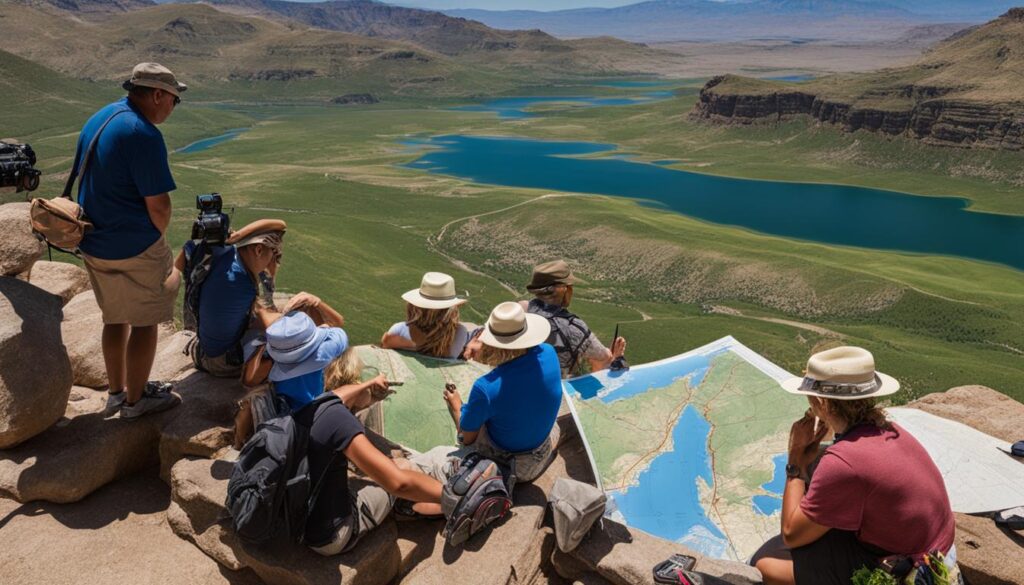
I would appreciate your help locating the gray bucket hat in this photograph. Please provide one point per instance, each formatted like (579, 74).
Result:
(156, 76)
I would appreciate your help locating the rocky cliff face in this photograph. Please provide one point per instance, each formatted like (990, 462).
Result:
(932, 118)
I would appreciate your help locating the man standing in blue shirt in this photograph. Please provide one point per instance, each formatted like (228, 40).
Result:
(124, 193)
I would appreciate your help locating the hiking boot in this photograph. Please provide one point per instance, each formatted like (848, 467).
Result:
(114, 402)
(155, 398)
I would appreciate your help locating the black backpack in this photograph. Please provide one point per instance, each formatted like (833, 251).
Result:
(479, 494)
(198, 259)
(269, 491)
(562, 320)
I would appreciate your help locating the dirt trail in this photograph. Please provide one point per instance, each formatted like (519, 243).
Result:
(723, 310)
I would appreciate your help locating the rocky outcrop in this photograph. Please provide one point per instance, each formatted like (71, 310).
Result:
(355, 99)
(518, 551)
(19, 248)
(82, 330)
(59, 278)
(35, 374)
(933, 119)
(988, 554)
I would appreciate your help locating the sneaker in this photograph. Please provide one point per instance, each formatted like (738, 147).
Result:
(114, 402)
(154, 399)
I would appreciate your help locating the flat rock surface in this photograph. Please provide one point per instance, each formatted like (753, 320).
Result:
(117, 535)
(59, 278)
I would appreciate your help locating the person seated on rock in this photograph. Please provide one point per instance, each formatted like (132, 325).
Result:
(576, 345)
(874, 494)
(511, 410)
(344, 377)
(431, 325)
(294, 359)
(239, 279)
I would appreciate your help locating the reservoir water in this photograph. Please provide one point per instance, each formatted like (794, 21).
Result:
(516, 107)
(831, 214)
(201, 145)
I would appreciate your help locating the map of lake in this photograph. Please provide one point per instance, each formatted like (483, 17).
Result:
(831, 214)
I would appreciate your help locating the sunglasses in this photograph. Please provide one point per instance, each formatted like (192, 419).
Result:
(177, 100)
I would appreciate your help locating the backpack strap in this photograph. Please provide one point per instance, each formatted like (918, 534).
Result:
(83, 162)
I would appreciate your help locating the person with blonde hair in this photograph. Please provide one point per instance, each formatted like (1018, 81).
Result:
(431, 325)
(344, 377)
(875, 500)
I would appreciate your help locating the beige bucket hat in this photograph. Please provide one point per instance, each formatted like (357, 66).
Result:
(510, 327)
(436, 291)
(842, 373)
(157, 76)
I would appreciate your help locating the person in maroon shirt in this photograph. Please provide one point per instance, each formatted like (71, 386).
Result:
(873, 494)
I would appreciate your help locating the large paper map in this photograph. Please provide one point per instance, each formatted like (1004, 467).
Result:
(416, 416)
(692, 448)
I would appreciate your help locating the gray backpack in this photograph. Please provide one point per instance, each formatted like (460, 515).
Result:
(478, 495)
(575, 507)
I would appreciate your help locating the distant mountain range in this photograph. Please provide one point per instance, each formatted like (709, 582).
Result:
(345, 46)
(664, 20)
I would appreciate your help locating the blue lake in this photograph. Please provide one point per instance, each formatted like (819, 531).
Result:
(516, 107)
(206, 143)
(792, 78)
(831, 214)
(681, 517)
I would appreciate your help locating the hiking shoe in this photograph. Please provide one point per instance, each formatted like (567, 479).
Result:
(154, 399)
(114, 402)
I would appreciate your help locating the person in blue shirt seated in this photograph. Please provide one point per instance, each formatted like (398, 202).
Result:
(512, 410)
(299, 351)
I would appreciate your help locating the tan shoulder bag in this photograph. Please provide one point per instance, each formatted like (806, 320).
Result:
(60, 221)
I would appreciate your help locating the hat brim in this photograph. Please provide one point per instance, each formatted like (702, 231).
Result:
(414, 297)
(299, 354)
(177, 90)
(260, 226)
(570, 281)
(535, 332)
(889, 385)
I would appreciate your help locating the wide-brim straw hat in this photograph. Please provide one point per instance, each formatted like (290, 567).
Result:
(842, 373)
(510, 327)
(260, 231)
(436, 291)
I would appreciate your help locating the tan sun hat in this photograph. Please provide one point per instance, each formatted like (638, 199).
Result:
(156, 76)
(550, 274)
(436, 291)
(510, 327)
(842, 373)
(261, 231)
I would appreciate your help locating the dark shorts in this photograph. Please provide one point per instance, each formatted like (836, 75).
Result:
(830, 560)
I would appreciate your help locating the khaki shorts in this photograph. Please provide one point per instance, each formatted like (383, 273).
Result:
(442, 462)
(139, 291)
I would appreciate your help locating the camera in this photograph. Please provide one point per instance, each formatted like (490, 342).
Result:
(16, 167)
(212, 225)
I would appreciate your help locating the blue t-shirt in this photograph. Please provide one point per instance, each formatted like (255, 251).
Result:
(300, 390)
(128, 164)
(225, 301)
(518, 400)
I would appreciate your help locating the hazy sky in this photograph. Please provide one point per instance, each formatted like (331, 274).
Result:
(510, 4)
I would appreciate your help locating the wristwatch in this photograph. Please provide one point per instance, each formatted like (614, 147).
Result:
(792, 471)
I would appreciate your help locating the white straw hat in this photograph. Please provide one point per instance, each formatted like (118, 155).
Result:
(436, 291)
(510, 327)
(842, 373)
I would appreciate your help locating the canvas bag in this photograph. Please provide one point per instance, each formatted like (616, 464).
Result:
(60, 221)
(575, 507)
